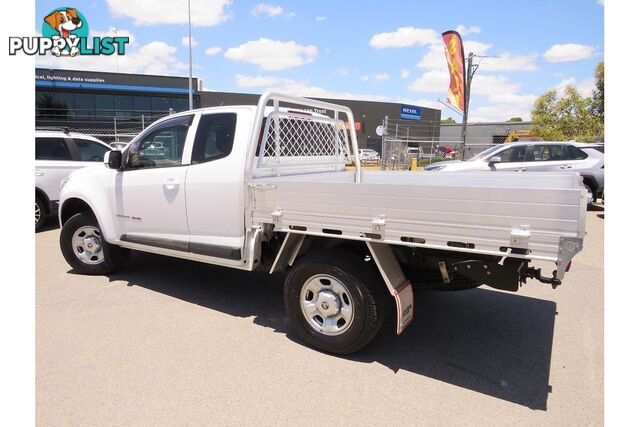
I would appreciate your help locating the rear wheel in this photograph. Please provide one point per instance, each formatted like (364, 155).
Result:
(85, 250)
(335, 301)
(40, 213)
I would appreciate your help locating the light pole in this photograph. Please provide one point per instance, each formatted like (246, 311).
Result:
(190, 63)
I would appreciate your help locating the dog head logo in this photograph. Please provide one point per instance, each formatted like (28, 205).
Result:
(65, 23)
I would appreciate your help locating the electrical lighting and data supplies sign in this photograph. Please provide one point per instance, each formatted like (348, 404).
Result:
(65, 32)
(410, 112)
(454, 52)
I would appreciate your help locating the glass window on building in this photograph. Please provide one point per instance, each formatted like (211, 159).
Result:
(123, 105)
(85, 106)
(161, 104)
(65, 105)
(142, 105)
(50, 106)
(104, 106)
(45, 102)
(180, 104)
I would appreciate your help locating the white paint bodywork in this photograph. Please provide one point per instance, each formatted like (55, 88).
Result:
(50, 173)
(227, 202)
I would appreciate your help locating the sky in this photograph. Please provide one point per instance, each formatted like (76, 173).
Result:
(374, 50)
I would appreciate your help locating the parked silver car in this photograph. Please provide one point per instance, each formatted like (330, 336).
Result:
(538, 156)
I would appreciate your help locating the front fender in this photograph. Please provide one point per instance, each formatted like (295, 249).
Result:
(91, 185)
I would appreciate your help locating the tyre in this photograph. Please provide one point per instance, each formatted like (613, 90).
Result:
(335, 300)
(41, 213)
(85, 250)
(590, 194)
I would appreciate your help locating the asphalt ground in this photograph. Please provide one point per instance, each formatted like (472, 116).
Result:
(174, 342)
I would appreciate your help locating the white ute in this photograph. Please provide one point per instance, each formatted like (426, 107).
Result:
(266, 187)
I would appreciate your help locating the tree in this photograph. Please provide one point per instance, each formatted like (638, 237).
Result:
(515, 119)
(598, 93)
(448, 120)
(570, 115)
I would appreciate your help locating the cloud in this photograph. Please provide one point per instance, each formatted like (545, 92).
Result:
(437, 81)
(509, 62)
(321, 18)
(435, 58)
(185, 41)
(490, 85)
(467, 30)
(382, 77)
(404, 74)
(584, 87)
(265, 9)
(273, 55)
(568, 52)
(511, 99)
(153, 58)
(405, 37)
(255, 81)
(213, 50)
(365, 78)
(433, 81)
(204, 13)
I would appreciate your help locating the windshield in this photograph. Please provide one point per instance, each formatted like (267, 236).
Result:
(484, 153)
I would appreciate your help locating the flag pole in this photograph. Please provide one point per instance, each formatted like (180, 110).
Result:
(467, 93)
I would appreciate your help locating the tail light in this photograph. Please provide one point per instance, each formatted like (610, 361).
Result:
(568, 266)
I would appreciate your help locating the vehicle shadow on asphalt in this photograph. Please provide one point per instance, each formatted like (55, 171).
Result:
(494, 343)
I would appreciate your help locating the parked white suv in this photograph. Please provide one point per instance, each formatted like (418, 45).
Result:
(58, 154)
(538, 156)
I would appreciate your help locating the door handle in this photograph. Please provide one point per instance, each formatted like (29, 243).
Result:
(565, 167)
(170, 183)
(521, 170)
(39, 173)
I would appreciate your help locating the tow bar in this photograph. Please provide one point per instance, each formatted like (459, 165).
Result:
(536, 273)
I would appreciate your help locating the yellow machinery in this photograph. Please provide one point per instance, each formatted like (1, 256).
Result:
(521, 135)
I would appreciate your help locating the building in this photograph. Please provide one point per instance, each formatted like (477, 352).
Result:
(105, 104)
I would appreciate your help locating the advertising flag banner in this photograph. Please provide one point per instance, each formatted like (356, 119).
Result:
(454, 52)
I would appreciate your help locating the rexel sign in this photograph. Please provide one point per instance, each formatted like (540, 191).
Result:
(410, 112)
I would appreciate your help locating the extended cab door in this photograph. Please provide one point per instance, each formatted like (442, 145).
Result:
(148, 194)
(215, 193)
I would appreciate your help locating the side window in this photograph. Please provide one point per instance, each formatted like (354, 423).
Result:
(576, 153)
(550, 153)
(513, 154)
(52, 149)
(214, 138)
(90, 151)
(161, 146)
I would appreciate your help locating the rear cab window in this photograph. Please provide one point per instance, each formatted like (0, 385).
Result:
(214, 137)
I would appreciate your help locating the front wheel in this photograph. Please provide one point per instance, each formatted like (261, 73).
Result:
(85, 250)
(335, 301)
(40, 213)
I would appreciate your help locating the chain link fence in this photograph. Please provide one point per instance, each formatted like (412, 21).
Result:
(405, 140)
(116, 130)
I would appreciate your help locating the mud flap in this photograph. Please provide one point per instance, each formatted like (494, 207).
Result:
(397, 283)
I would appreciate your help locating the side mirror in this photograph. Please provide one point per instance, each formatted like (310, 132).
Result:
(113, 159)
(495, 159)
